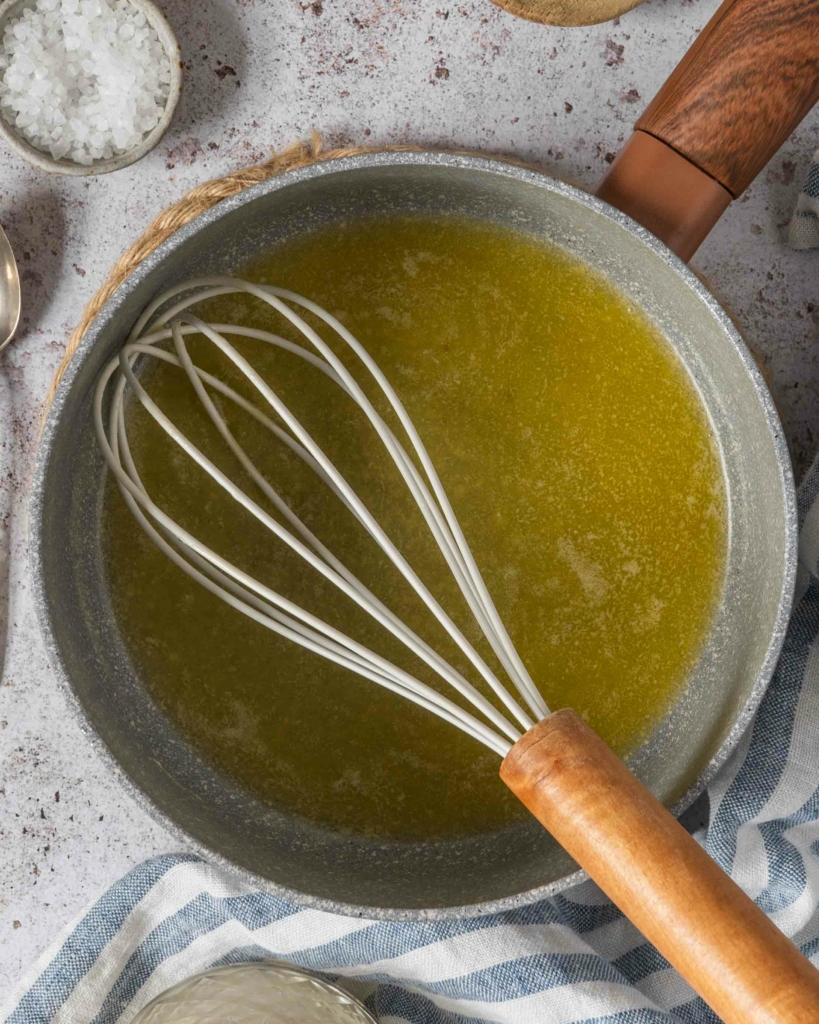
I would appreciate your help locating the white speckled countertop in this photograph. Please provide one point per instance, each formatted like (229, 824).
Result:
(262, 73)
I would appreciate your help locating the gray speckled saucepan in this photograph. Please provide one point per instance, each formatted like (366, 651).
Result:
(292, 857)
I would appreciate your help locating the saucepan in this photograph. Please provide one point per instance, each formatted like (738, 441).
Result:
(748, 80)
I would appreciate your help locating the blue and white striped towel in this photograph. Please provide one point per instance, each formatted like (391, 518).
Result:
(803, 232)
(570, 959)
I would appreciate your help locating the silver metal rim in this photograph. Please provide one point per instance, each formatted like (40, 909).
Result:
(489, 166)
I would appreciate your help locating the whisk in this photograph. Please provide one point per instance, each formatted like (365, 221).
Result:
(642, 858)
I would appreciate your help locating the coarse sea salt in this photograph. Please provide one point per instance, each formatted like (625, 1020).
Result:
(83, 79)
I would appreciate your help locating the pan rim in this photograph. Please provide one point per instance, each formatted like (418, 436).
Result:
(490, 165)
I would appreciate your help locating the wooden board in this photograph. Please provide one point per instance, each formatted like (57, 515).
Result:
(568, 12)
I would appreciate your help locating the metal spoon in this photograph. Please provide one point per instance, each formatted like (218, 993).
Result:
(9, 292)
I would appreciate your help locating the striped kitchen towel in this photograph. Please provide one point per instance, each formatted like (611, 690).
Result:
(570, 959)
(803, 232)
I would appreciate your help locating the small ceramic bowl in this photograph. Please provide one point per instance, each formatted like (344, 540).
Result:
(266, 992)
(42, 159)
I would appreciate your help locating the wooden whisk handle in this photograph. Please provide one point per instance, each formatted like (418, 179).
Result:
(663, 881)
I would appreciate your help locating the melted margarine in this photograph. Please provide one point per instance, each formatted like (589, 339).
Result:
(575, 453)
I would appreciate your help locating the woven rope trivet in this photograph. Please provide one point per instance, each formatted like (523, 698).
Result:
(199, 199)
(202, 198)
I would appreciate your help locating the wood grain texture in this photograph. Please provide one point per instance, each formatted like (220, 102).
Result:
(661, 879)
(567, 12)
(745, 84)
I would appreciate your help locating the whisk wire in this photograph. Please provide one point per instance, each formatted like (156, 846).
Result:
(408, 636)
(352, 500)
(452, 541)
(463, 686)
(496, 631)
(145, 347)
(325, 640)
(253, 598)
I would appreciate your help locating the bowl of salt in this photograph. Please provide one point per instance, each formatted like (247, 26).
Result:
(86, 86)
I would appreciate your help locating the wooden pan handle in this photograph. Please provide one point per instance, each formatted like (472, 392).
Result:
(662, 880)
(742, 88)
